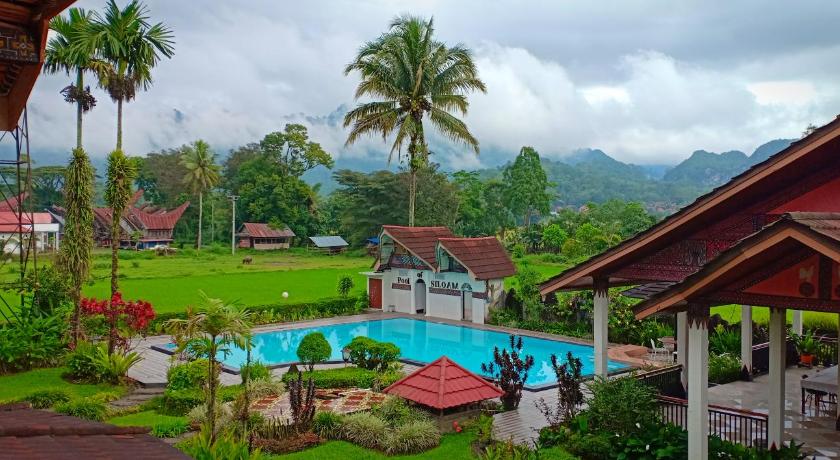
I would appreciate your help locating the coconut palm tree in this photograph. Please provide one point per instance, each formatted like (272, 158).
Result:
(408, 76)
(121, 173)
(202, 174)
(70, 50)
(211, 330)
(125, 39)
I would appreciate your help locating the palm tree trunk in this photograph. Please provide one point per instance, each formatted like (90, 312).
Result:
(119, 123)
(79, 87)
(200, 216)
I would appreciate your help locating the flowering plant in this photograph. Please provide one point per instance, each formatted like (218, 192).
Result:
(131, 316)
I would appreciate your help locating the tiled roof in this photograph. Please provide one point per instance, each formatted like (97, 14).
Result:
(443, 384)
(27, 433)
(826, 223)
(328, 241)
(422, 241)
(12, 203)
(10, 217)
(160, 220)
(484, 257)
(256, 230)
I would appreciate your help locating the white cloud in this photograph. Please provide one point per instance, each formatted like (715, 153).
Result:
(783, 92)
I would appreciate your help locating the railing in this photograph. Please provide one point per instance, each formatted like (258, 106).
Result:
(666, 380)
(761, 356)
(735, 425)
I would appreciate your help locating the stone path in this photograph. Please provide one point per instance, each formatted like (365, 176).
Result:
(137, 396)
(346, 401)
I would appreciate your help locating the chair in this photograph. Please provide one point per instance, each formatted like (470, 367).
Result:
(656, 351)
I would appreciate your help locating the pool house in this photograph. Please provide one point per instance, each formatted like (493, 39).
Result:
(770, 237)
(428, 271)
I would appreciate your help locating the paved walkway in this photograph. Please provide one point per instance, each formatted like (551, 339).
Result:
(815, 430)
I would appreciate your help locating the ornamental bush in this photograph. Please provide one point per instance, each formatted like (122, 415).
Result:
(190, 375)
(621, 405)
(87, 408)
(412, 437)
(724, 368)
(509, 369)
(46, 399)
(314, 349)
(346, 377)
(366, 430)
(30, 340)
(328, 424)
(81, 362)
(371, 354)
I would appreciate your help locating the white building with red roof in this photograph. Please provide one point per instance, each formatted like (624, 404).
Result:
(429, 271)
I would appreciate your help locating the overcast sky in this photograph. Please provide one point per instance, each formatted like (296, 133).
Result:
(646, 81)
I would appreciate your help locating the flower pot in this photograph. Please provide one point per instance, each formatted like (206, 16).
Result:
(806, 359)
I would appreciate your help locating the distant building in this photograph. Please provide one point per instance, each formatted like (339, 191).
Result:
(329, 244)
(262, 237)
(41, 224)
(428, 271)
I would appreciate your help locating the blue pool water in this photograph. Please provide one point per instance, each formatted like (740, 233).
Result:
(422, 341)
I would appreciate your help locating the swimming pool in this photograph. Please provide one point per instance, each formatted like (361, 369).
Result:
(420, 341)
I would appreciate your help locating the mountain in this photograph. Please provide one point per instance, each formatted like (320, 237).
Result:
(769, 149)
(709, 169)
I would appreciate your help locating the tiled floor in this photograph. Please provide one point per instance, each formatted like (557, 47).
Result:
(816, 431)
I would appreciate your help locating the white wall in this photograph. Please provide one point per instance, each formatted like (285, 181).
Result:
(437, 305)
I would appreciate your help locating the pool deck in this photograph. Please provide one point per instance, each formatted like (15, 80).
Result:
(151, 371)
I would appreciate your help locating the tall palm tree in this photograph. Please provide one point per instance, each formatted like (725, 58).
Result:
(125, 39)
(70, 51)
(408, 75)
(202, 174)
(121, 173)
(211, 330)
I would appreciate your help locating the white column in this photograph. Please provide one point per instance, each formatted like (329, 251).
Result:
(746, 337)
(776, 402)
(600, 323)
(797, 322)
(698, 383)
(682, 345)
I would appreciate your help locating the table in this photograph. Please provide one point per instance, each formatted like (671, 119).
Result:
(670, 344)
(824, 381)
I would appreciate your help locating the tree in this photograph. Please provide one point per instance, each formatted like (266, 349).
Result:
(125, 39)
(77, 245)
(314, 349)
(121, 174)
(212, 329)
(527, 190)
(345, 285)
(408, 75)
(553, 237)
(202, 174)
(293, 151)
(472, 207)
(161, 176)
(70, 50)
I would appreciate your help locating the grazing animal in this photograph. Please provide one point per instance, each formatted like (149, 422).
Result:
(247, 260)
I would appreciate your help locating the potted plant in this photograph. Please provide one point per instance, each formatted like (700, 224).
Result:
(807, 346)
(825, 355)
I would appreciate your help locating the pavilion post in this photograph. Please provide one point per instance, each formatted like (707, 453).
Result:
(600, 324)
(837, 423)
(776, 403)
(797, 322)
(698, 382)
(746, 338)
(682, 346)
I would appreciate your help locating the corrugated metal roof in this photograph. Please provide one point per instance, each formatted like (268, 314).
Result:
(328, 241)
(442, 384)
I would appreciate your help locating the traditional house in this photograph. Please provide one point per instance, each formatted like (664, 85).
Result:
(262, 237)
(428, 271)
(143, 226)
(769, 237)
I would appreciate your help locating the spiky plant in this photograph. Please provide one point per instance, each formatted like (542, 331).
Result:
(121, 173)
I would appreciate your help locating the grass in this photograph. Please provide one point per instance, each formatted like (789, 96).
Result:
(147, 418)
(16, 386)
(453, 446)
(761, 315)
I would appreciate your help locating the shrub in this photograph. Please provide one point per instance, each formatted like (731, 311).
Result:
(302, 402)
(510, 371)
(328, 425)
(81, 362)
(170, 429)
(412, 437)
(345, 285)
(86, 408)
(371, 354)
(32, 341)
(365, 429)
(191, 375)
(292, 443)
(314, 349)
(346, 377)
(620, 405)
(724, 368)
(255, 371)
(179, 402)
(225, 447)
(724, 340)
(46, 399)
(114, 367)
(395, 411)
(569, 394)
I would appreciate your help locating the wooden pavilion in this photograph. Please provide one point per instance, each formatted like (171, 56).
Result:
(769, 237)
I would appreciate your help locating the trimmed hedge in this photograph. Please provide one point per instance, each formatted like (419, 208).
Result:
(270, 313)
(346, 377)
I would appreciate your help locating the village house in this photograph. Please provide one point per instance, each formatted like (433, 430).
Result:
(262, 237)
(14, 223)
(428, 271)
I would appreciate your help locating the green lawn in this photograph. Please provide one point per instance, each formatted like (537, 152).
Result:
(761, 315)
(18, 385)
(147, 418)
(452, 447)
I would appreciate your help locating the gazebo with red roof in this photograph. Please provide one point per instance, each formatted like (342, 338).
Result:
(444, 385)
(430, 271)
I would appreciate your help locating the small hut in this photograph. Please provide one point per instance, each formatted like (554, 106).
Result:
(445, 388)
(262, 237)
(328, 244)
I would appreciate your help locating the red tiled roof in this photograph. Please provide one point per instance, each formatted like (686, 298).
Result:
(27, 433)
(422, 241)
(484, 257)
(10, 217)
(160, 220)
(442, 384)
(257, 230)
(12, 203)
